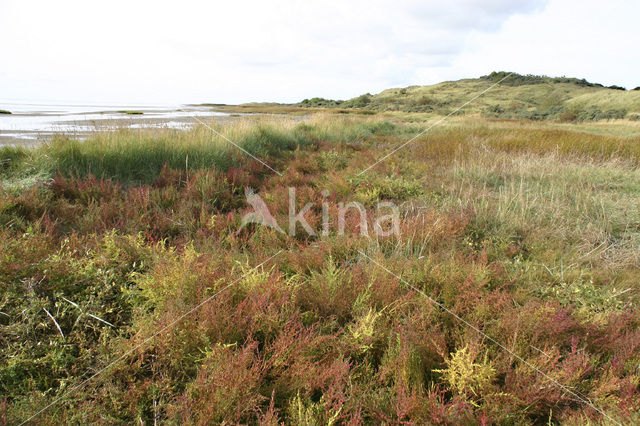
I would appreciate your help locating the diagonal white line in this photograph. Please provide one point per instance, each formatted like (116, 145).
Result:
(148, 339)
(436, 123)
(509, 351)
(237, 146)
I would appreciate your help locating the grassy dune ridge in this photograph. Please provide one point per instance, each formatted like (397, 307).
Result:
(528, 231)
(518, 96)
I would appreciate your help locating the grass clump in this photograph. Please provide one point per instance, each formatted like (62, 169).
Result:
(4, 111)
(10, 158)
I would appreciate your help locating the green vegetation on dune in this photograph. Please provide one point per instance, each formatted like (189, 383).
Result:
(4, 111)
(607, 100)
(320, 102)
(529, 232)
(517, 96)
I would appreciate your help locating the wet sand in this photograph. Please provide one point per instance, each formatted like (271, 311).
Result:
(32, 124)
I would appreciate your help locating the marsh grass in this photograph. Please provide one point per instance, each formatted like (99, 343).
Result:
(530, 232)
(138, 156)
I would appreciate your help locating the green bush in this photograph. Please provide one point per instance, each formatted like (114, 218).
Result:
(425, 100)
(359, 102)
(494, 111)
(521, 80)
(594, 113)
(556, 112)
(320, 102)
(331, 160)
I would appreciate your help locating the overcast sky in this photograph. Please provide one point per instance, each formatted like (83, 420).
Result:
(150, 52)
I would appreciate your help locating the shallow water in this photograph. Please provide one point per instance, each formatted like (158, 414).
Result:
(31, 123)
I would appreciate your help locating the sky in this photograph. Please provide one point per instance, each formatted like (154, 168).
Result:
(169, 52)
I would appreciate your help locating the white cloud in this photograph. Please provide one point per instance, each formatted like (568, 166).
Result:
(192, 51)
(588, 39)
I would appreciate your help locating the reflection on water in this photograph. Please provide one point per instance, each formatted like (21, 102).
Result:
(30, 123)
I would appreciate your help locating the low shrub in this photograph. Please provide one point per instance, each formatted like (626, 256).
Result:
(467, 376)
(359, 102)
(594, 113)
(320, 102)
(516, 79)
